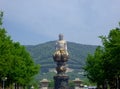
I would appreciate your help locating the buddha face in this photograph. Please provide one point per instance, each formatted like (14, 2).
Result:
(60, 36)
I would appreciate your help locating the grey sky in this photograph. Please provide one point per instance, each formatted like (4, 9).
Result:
(38, 21)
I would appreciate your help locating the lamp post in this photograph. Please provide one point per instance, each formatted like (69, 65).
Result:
(4, 79)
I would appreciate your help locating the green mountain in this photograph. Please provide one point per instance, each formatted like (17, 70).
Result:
(42, 54)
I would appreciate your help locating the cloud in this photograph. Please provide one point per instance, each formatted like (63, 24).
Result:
(80, 20)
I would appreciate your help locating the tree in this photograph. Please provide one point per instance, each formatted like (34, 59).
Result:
(15, 62)
(112, 57)
(94, 68)
(5, 47)
(103, 66)
(23, 67)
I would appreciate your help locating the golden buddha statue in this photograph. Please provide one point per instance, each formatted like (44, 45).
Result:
(61, 46)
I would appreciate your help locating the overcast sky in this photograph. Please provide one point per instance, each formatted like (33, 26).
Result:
(38, 21)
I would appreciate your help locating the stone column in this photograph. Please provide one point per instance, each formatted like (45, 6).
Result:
(44, 84)
(77, 83)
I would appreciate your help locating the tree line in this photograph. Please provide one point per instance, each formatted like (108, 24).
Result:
(103, 67)
(16, 64)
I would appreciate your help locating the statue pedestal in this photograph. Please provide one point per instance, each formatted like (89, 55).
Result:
(61, 82)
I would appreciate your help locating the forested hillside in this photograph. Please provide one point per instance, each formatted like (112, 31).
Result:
(42, 54)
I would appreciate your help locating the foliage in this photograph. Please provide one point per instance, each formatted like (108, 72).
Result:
(112, 56)
(103, 66)
(51, 83)
(71, 84)
(94, 68)
(15, 62)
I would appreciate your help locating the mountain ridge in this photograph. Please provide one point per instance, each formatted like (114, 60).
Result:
(42, 54)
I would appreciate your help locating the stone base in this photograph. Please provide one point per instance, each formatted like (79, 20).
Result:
(61, 82)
